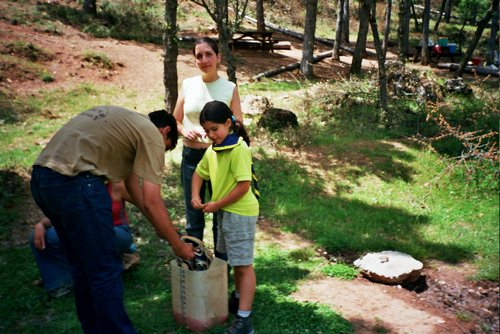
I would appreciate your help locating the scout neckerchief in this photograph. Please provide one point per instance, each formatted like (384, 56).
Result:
(231, 141)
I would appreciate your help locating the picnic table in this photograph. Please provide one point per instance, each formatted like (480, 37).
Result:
(253, 38)
(439, 51)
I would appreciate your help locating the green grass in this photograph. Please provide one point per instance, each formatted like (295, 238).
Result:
(148, 293)
(340, 270)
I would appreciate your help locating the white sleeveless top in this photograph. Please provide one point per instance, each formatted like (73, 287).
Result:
(197, 93)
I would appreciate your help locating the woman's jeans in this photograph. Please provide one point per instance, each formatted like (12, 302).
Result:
(196, 218)
(79, 208)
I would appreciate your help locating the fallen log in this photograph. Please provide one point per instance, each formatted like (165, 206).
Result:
(300, 37)
(470, 69)
(290, 67)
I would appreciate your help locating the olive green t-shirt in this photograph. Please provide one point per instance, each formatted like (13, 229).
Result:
(109, 141)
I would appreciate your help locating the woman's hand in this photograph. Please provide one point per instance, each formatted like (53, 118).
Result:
(194, 135)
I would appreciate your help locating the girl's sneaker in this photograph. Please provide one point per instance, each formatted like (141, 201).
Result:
(241, 325)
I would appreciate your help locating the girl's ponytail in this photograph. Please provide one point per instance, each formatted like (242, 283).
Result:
(219, 112)
(239, 129)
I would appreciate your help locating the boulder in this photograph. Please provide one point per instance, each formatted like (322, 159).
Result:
(276, 119)
(255, 104)
(457, 85)
(389, 267)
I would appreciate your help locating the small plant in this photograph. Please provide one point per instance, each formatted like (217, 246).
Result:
(340, 270)
(97, 30)
(98, 59)
(28, 51)
(47, 77)
(463, 316)
(302, 254)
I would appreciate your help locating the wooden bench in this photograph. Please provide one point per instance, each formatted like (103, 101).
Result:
(253, 38)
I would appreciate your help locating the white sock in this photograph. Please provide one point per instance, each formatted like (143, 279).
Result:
(244, 314)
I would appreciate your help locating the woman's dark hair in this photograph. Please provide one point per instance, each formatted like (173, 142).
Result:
(161, 119)
(219, 112)
(209, 41)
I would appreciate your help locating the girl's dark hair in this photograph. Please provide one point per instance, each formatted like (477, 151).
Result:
(209, 41)
(219, 112)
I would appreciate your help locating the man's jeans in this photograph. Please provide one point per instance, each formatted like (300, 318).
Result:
(79, 208)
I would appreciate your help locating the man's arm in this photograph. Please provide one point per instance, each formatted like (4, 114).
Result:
(158, 216)
(133, 187)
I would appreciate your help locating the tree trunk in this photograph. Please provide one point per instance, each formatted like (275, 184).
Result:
(440, 15)
(492, 41)
(218, 11)
(473, 16)
(225, 36)
(259, 15)
(387, 27)
(89, 7)
(309, 32)
(338, 30)
(360, 48)
(425, 56)
(414, 15)
(475, 40)
(447, 11)
(170, 41)
(403, 29)
(383, 104)
(345, 21)
(461, 34)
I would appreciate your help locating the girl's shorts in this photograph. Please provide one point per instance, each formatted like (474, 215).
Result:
(236, 237)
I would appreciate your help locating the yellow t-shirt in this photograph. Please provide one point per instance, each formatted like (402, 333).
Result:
(225, 169)
(109, 141)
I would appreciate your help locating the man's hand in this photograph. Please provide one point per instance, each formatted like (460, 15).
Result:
(184, 250)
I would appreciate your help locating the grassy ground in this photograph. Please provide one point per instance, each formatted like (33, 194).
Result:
(348, 194)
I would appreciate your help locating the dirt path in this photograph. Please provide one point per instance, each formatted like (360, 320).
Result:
(372, 308)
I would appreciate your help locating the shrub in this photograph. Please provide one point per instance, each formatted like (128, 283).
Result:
(28, 51)
(98, 58)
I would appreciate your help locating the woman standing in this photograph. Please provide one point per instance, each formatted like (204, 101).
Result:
(196, 92)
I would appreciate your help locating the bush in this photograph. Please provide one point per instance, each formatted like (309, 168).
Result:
(98, 58)
(140, 20)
